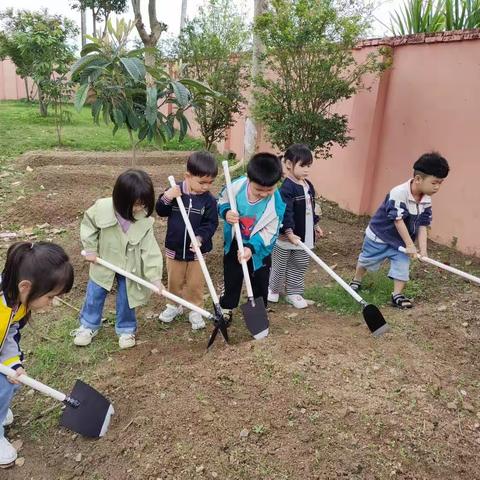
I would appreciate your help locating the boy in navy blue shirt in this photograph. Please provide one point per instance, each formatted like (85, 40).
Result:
(185, 277)
(401, 219)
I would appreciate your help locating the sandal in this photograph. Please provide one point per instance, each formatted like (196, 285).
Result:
(355, 285)
(401, 301)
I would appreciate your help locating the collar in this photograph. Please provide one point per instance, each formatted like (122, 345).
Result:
(408, 186)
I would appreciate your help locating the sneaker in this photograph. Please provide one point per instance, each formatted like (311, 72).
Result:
(196, 320)
(8, 454)
(170, 313)
(126, 340)
(83, 336)
(8, 419)
(297, 301)
(273, 297)
(355, 285)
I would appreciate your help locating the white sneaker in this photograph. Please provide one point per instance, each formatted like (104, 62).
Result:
(126, 340)
(297, 301)
(83, 336)
(196, 320)
(170, 313)
(8, 454)
(273, 297)
(8, 419)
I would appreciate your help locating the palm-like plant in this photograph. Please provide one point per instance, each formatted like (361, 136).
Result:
(462, 14)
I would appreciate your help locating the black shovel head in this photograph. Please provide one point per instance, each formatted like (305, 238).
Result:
(92, 416)
(374, 320)
(256, 318)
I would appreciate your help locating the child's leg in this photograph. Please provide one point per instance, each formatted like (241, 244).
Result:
(7, 390)
(91, 313)
(260, 279)
(194, 283)
(296, 269)
(125, 320)
(280, 257)
(400, 274)
(232, 279)
(177, 271)
(359, 273)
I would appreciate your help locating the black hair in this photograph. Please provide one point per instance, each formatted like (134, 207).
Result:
(132, 186)
(202, 164)
(44, 264)
(265, 169)
(431, 164)
(299, 153)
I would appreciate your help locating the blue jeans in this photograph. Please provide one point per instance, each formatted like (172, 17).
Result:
(91, 314)
(7, 390)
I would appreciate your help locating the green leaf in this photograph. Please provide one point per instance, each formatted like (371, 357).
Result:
(118, 117)
(184, 126)
(151, 106)
(81, 96)
(96, 109)
(182, 94)
(135, 68)
(81, 63)
(90, 48)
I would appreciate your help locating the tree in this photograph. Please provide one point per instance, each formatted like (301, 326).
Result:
(116, 77)
(100, 9)
(309, 68)
(213, 47)
(37, 43)
(183, 14)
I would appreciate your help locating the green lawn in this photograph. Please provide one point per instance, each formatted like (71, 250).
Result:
(23, 129)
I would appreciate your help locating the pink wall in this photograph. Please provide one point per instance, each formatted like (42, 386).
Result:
(429, 99)
(12, 87)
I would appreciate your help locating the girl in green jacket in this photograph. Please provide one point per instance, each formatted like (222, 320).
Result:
(119, 229)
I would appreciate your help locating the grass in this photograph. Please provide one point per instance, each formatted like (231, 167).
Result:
(23, 129)
(376, 289)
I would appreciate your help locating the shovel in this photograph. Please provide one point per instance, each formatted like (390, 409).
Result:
(254, 312)
(372, 315)
(87, 412)
(448, 268)
(219, 322)
(154, 288)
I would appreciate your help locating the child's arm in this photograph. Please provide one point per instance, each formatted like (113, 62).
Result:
(209, 223)
(288, 194)
(10, 355)
(422, 240)
(165, 202)
(316, 218)
(152, 261)
(89, 233)
(410, 248)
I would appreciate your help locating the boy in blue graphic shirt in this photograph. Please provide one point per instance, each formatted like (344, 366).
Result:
(260, 213)
(401, 219)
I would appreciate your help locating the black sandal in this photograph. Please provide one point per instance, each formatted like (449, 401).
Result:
(355, 285)
(401, 301)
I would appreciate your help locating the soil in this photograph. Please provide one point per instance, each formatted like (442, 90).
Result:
(320, 398)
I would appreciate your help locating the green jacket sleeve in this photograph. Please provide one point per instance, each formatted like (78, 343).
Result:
(151, 257)
(89, 231)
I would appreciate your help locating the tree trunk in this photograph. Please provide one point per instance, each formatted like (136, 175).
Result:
(134, 147)
(250, 138)
(83, 26)
(94, 22)
(41, 103)
(25, 79)
(107, 15)
(148, 39)
(183, 14)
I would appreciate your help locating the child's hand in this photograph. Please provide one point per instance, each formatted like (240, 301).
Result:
(232, 217)
(318, 232)
(247, 255)
(411, 251)
(173, 192)
(159, 285)
(423, 253)
(91, 257)
(199, 241)
(19, 371)
(292, 238)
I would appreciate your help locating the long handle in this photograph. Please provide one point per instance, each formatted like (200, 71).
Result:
(30, 382)
(238, 233)
(152, 287)
(335, 276)
(448, 268)
(196, 247)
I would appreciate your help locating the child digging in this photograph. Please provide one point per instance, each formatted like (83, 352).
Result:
(401, 219)
(185, 277)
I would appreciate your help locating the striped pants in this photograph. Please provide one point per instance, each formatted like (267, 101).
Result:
(288, 271)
